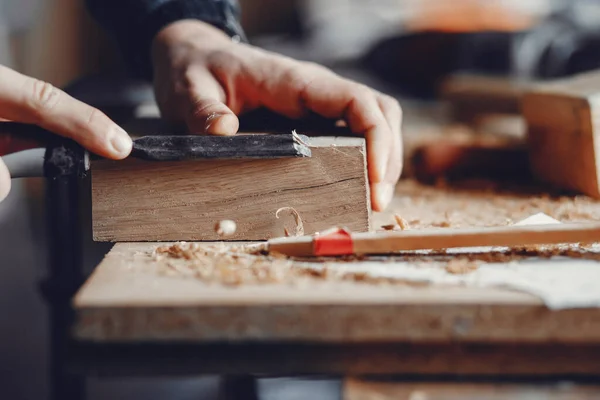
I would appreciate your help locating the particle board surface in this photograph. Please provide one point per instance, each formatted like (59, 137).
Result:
(131, 297)
(135, 200)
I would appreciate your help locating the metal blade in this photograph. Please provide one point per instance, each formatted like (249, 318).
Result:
(193, 147)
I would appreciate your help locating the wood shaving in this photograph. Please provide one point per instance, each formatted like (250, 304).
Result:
(401, 222)
(299, 139)
(299, 229)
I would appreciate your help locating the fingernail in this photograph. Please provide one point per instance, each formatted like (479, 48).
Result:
(384, 192)
(224, 124)
(121, 142)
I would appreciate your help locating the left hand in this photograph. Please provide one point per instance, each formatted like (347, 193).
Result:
(31, 101)
(203, 79)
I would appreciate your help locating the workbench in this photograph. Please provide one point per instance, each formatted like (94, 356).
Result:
(132, 318)
(136, 315)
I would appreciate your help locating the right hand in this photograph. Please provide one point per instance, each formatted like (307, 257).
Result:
(203, 79)
(31, 101)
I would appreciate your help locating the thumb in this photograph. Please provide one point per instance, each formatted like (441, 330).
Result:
(207, 112)
(4, 180)
(28, 100)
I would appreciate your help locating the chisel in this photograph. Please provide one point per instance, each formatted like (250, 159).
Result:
(60, 156)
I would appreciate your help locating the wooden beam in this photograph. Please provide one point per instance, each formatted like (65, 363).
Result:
(563, 132)
(136, 200)
(472, 97)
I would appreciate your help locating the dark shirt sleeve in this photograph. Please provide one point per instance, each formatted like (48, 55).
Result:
(134, 23)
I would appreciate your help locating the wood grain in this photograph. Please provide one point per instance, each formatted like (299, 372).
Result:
(127, 299)
(135, 200)
(363, 389)
(562, 120)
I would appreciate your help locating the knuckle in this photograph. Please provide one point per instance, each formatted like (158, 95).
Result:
(361, 91)
(44, 96)
(298, 76)
(391, 104)
(205, 109)
(390, 101)
(220, 62)
(188, 79)
(93, 116)
(220, 57)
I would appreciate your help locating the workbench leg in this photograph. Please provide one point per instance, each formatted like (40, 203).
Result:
(238, 387)
(64, 277)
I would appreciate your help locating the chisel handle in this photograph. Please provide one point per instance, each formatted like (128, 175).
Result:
(16, 136)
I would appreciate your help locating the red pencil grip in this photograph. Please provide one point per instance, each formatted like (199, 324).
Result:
(336, 242)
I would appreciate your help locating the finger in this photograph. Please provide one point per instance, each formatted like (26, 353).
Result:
(292, 88)
(207, 112)
(28, 100)
(393, 115)
(358, 106)
(4, 180)
(334, 97)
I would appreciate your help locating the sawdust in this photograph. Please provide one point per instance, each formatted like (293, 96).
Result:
(460, 266)
(235, 264)
(475, 204)
(227, 265)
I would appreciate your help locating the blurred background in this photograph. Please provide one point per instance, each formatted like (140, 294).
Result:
(403, 47)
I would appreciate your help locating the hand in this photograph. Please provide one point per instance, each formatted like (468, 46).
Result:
(28, 100)
(203, 79)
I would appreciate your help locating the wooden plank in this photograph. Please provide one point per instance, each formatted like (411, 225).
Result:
(453, 159)
(363, 389)
(135, 200)
(129, 298)
(563, 132)
(472, 97)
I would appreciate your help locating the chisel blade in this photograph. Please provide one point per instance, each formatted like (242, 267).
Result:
(196, 147)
